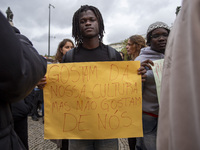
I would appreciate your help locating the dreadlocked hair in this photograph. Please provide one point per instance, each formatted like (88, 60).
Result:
(76, 33)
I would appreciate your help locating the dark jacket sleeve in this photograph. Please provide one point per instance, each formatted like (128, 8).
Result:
(20, 110)
(21, 66)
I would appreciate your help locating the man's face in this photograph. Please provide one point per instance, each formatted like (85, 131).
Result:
(88, 24)
(159, 40)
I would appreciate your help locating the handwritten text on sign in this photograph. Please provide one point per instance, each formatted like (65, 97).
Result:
(157, 71)
(96, 100)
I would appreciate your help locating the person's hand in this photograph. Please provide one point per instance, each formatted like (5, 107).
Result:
(142, 71)
(41, 84)
(145, 65)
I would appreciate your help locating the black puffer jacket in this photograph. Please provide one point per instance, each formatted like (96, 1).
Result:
(21, 69)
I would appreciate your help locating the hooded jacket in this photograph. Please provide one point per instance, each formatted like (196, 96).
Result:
(21, 69)
(149, 93)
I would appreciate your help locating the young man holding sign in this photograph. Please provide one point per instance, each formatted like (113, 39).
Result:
(88, 30)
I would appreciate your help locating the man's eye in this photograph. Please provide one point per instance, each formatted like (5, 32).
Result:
(159, 35)
(155, 36)
(82, 21)
(165, 35)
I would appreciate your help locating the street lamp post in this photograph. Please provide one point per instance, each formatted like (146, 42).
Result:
(49, 29)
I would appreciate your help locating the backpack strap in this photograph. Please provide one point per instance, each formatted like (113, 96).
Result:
(112, 54)
(68, 57)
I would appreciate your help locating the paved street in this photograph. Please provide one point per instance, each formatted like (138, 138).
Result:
(36, 136)
(37, 142)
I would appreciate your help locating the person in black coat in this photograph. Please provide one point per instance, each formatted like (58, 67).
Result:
(21, 69)
(20, 111)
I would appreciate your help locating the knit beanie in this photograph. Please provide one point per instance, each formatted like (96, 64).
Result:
(154, 26)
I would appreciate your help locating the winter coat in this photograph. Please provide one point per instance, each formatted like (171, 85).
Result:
(22, 108)
(21, 69)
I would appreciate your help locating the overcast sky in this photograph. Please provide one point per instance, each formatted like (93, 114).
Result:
(122, 18)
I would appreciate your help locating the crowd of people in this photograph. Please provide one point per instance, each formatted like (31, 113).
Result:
(172, 124)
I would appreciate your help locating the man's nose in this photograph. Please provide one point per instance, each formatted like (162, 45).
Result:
(88, 22)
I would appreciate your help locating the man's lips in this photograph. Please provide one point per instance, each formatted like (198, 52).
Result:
(88, 29)
(162, 44)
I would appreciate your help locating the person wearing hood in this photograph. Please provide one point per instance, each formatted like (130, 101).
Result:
(20, 111)
(21, 69)
(157, 35)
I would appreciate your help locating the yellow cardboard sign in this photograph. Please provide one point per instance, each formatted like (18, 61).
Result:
(157, 72)
(93, 100)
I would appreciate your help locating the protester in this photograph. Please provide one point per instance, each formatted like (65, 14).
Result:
(37, 102)
(19, 75)
(179, 120)
(88, 31)
(157, 35)
(20, 111)
(134, 45)
(64, 46)
(40, 86)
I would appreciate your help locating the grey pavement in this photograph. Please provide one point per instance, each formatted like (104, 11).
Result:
(36, 136)
(37, 142)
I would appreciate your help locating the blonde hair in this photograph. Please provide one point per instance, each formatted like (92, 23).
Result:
(139, 42)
